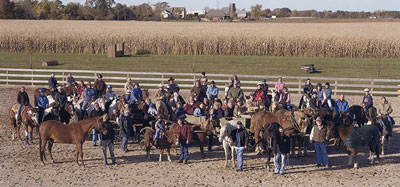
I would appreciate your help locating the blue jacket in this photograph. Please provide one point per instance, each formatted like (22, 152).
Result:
(88, 94)
(367, 101)
(342, 106)
(136, 94)
(198, 112)
(320, 95)
(328, 93)
(180, 112)
(42, 101)
(212, 91)
(52, 82)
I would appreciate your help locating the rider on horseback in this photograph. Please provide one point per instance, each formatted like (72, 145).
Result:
(43, 103)
(367, 103)
(110, 97)
(385, 109)
(159, 126)
(327, 93)
(284, 99)
(52, 82)
(23, 100)
(342, 107)
(60, 98)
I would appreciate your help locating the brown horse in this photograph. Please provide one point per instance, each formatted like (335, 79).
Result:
(29, 119)
(74, 133)
(68, 90)
(292, 123)
(367, 135)
(165, 141)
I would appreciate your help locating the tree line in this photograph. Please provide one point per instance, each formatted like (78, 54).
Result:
(109, 10)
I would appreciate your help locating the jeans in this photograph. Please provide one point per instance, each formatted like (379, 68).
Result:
(125, 142)
(19, 112)
(95, 136)
(83, 108)
(184, 149)
(41, 113)
(280, 161)
(108, 144)
(239, 154)
(390, 123)
(288, 106)
(320, 151)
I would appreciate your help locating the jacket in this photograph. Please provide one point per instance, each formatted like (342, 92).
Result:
(318, 135)
(42, 101)
(281, 144)
(229, 113)
(244, 137)
(385, 109)
(212, 91)
(71, 80)
(327, 93)
(80, 89)
(173, 88)
(279, 86)
(184, 132)
(284, 98)
(235, 93)
(265, 88)
(110, 96)
(22, 98)
(136, 94)
(180, 112)
(189, 108)
(96, 113)
(198, 112)
(163, 95)
(99, 86)
(52, 82)
(367, 101)
(342, 106)
(60, 98)
(259, 95)
(320, 95)
(110, 132)
(200, 92)
(308, 88)
(125, 126)
(88, 93)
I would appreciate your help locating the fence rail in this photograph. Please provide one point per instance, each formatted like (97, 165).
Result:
(13, 76)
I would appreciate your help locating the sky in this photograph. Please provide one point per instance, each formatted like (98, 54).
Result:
(320, 5)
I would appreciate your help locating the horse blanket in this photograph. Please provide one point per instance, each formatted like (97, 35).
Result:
(363, 136)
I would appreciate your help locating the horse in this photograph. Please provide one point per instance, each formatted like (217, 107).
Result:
(359, 115)
(226, 140)
(165, 141)
(67, 112)
(270, 132)
(73, 133)
(200, 131)
(29, 119)
(386, 131)
(354, 137)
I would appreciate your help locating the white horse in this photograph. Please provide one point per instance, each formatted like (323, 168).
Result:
(226, 139)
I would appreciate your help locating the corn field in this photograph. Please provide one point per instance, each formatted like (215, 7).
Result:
(354, 40)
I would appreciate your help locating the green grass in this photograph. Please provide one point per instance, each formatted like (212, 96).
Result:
(253, 65)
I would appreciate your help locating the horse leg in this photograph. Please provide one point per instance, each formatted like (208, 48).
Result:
(305, 144)
(77, 154)
(169, 154)
(201, 138)
(226, 153)
(300, 143)
(354, 154)
(268, 158)
(388, 143)
(42, 147)
(49, 147)
(26, 133)
(18, 130)
(30, 129)
(292, 142)
(81, 153)
(350, 160)
(148, 152)
(161, 153)
(383, 145)
(233, 157)
(371, 157)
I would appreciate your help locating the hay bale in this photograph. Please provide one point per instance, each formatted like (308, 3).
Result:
(50, 63)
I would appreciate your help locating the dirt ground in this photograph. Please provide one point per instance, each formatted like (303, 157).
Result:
(20, 165)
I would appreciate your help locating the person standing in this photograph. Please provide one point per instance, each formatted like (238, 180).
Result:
(99, 86)
(52, 82)
(125, 126)
(281, 151)
(318, 136)
(23, 100)
(184, 138)
(43, 103)
(240, 141)
(95, 134)
(107, 141)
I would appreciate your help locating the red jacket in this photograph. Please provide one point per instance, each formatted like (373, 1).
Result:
(259, 95)
(189, 109)
(184, 132)
(80, 89)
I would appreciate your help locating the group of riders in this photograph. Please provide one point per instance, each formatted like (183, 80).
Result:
(204, 100)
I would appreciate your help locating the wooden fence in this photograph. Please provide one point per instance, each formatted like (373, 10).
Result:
(39, 77)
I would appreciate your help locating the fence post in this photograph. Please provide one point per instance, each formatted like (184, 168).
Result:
(7, 76)
(162, 78)
(372, 87)
(194, 79)
(336, 87)
(95, 75)
(32, 76)
(299, 92)
(63, 78)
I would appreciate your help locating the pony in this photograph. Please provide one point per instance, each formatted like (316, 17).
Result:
(74, 133)
(165, 141)
(270, 132)
(359, 115)
(354, 137)
(200, 131)
(226, 140)
(29, 119)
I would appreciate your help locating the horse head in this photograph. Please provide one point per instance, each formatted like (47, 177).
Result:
(210, 126)
(69, 107)
(32, 115)
(303, 122)
(330, 130)
(99, 125)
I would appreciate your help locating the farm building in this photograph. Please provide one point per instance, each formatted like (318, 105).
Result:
(217, 15)
(241, 14)
(196, 12)
(174, 12)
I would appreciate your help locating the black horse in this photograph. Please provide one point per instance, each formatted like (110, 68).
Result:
(270, 132)
(359, 115)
